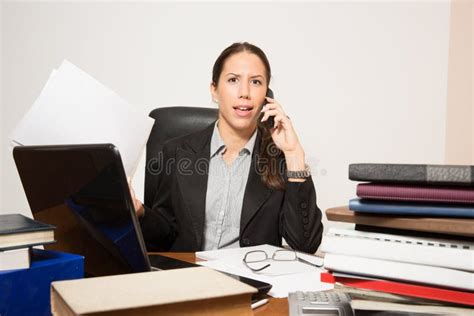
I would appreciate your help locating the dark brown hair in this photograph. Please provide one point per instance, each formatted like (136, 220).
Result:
(269, 156)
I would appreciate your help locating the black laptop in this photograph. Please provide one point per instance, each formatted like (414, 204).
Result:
(83, 191)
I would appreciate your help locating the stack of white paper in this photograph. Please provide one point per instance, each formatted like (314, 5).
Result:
(285, 277)
(74, 108)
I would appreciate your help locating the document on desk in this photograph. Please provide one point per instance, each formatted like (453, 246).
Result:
(284, 276)
(74, 108)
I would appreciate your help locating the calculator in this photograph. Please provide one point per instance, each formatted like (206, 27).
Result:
(319, 303)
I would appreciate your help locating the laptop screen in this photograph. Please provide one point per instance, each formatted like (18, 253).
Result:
(83, 191)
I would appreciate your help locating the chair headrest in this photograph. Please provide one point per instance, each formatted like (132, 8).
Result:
(171, 122)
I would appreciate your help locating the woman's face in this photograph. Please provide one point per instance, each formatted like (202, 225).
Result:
(240, 92)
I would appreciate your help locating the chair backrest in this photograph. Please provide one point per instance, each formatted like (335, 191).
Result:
(171, 122)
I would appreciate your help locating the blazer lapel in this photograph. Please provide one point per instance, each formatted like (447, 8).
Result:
(192, 174)
(256, 193)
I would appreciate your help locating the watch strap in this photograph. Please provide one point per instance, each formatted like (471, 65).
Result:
(299, 174)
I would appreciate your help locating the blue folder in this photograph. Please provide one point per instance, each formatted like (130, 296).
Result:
(418, 209)
(27, 291)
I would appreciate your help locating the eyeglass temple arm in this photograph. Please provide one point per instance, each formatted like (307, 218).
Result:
(253, 269)
(257, 270)
(308, 262)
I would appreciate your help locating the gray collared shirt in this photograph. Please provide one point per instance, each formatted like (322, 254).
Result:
(225, 193)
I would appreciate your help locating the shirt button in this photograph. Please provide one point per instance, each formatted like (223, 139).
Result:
(306, 234)
(246, 241)
(305, 227)
(304, 213)
(305, 220)
(303, 205)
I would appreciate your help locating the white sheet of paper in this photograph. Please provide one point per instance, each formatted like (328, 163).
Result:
(74, 108)
(281, 284)
(285, 277)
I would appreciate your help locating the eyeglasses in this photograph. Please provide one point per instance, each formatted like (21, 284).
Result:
(254, 259)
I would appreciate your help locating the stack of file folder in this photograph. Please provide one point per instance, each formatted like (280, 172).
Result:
(413, 236)
(428, 190)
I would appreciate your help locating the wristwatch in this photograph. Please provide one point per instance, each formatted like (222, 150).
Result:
(299, 174)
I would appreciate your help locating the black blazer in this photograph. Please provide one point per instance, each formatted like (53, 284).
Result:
(176, 220)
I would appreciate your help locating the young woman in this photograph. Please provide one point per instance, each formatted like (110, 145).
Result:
(256, 189)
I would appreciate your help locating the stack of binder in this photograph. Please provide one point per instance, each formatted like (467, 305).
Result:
(18, 234)
(428, 190)
(413, 237)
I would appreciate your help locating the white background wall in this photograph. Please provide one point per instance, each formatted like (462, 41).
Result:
(362, 82)
(1, 110)
(460, 108)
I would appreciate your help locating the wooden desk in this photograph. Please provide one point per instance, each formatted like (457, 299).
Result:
(275, 306)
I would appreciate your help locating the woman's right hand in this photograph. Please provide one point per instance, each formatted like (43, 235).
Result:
(139, 208)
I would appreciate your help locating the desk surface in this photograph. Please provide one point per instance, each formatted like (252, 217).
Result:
(275, 306)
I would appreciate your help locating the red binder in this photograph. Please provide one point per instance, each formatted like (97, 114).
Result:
(421, 291)
(405, 192)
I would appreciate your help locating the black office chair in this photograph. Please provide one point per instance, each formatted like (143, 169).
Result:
(171, 122)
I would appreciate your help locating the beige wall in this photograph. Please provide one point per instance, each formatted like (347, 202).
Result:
(362, 81)
(460, 113)
(1, 110)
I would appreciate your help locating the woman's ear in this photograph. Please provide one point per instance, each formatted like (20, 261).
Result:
(214, 95)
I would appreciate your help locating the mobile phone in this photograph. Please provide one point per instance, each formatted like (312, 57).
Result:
(271, 119)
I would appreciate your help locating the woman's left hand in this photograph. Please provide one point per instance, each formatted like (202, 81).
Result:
(283, 133)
